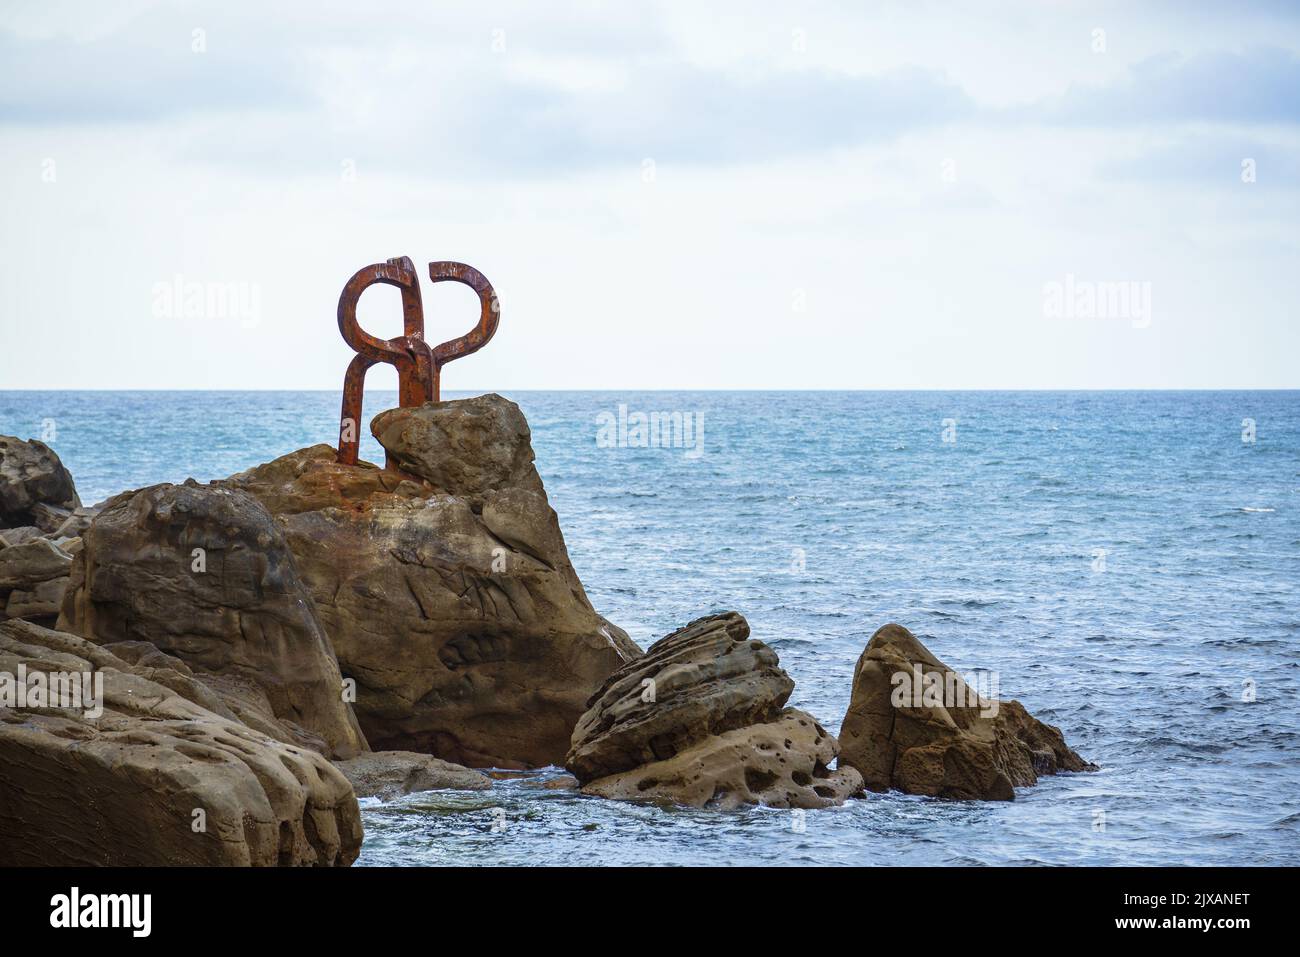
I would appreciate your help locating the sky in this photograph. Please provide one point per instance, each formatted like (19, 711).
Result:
(750, 196)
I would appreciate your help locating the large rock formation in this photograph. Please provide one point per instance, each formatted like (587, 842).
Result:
(155, 777)
(35, 488)
(700, 720)
(945, 742)
(204, 575)
(445, 586)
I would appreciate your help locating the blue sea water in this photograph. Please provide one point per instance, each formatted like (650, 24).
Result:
(1125, 562)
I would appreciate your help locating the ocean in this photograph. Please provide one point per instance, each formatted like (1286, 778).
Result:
(1128, 563)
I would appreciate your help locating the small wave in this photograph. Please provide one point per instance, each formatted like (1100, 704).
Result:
(1245, 640)
(1192, 747)
(1247, 508)
(937, 613)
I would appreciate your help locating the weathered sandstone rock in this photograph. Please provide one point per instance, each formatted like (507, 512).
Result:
(699, 720)
(782, 763)
(956, 746)
(469, 447)
(31, 475)
(390, 774)
(17, 536)
(74, 522)
(204, 575)
(445, 585)
(22, 566)
(40, 603)
(156, 778)
(701, 680)
(33, 578)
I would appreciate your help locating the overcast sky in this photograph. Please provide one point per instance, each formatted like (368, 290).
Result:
(761, 195)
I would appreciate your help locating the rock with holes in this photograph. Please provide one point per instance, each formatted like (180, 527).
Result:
(782, 763)
(31, 478)
(700, 720)
(914, 725)
(445, 585)
(390, 774)
(204, 575)
(138, 773)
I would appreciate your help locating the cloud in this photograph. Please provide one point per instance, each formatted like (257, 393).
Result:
(1208, 160)
(709, 117)
(131, 77)
(1257, 85)
(427, 99)
(696, 116)
(495, 124)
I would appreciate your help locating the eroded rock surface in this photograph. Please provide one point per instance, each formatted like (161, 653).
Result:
(956, 746)
(204, 575)
(782, 763)
(445, 585)
(156, 779)
(701, 680)
(700, 720)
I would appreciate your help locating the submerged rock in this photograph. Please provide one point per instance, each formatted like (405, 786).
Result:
(155, 778)
(31, 479)
(445, 585)
(958, 746)
(204, 575)
(700, 720)
(390, 774)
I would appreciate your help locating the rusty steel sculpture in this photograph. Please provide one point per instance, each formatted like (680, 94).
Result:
(419, 365)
